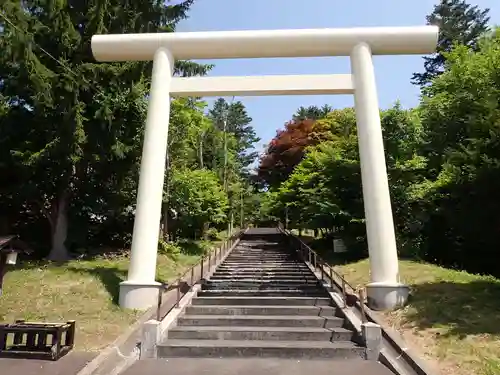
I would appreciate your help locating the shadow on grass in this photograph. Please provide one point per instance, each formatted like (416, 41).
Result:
(111, 277)
(461, 308)
(324, 248)
(189, 247)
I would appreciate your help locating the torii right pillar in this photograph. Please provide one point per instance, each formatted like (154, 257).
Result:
(384, 292)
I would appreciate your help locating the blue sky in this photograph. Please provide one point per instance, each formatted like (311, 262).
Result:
(271, 112)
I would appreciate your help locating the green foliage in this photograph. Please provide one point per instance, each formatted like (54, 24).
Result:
(233, 118)
(312, 112)
(443, 164)
(461, 114)
(459, 23)
(287, 149)
(324, 190)
(71, 129)
(198, 197)
(170, 249)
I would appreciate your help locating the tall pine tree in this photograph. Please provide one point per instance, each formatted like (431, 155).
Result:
(459, 22)
(239, 124)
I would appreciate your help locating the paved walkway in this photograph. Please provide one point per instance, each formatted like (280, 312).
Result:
(70, 364)
(253, 366)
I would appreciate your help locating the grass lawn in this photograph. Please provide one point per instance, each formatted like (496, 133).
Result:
(85, 290)
(453, 317)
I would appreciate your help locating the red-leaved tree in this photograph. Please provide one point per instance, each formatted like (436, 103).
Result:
(287, 148)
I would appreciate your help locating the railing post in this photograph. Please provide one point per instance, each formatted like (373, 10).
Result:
(70, 334)
(344, 296)
(160, 302)
(362, 305)
(178, 293)
(150, 337)
(18, 337)
(372, 337)
(3, 339)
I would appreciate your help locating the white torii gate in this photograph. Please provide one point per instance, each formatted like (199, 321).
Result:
(385, 291)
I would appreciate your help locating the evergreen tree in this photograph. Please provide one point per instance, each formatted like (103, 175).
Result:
(459, 22)
(233, 116)
(312, 112)
(71, 129)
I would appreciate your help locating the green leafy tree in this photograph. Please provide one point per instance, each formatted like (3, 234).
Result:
(233, 118)
(312, 112)
(461, 116)
(324, 191)
(199, 199)
(287, 148)
(459, 23)
(72, 127)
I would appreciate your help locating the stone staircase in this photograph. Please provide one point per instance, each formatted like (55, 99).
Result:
(262, 301)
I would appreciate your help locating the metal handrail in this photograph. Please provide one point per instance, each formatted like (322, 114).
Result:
(219, 251)
(314, 259)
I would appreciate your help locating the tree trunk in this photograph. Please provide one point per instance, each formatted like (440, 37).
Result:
(225, 155)
(59, 226)
(165, 222)
(200, 150)
(166, 205)
(206, 225)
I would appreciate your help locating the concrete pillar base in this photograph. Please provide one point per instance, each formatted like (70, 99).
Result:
(372, 336)
(386, 296)
(138, 295)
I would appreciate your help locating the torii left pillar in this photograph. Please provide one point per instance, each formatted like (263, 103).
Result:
(140, 290)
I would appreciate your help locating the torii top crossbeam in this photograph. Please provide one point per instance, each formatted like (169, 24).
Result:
(266, 43)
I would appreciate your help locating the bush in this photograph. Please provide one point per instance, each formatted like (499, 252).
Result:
(172, 250)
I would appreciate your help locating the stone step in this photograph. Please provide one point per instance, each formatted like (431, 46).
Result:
(263, 256)
(262, 260)
(258, 281)
(262, 281)
(280, 349)
(264, 264)
(263, 267)
(260, 310)
(257, 251)
(238, 277)
(260, 321)
(261, 293)
(263, 275)
(261, 301)
(265, 270)
(269, 263)
(296, 272)
(260, 333)
(262, 286)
